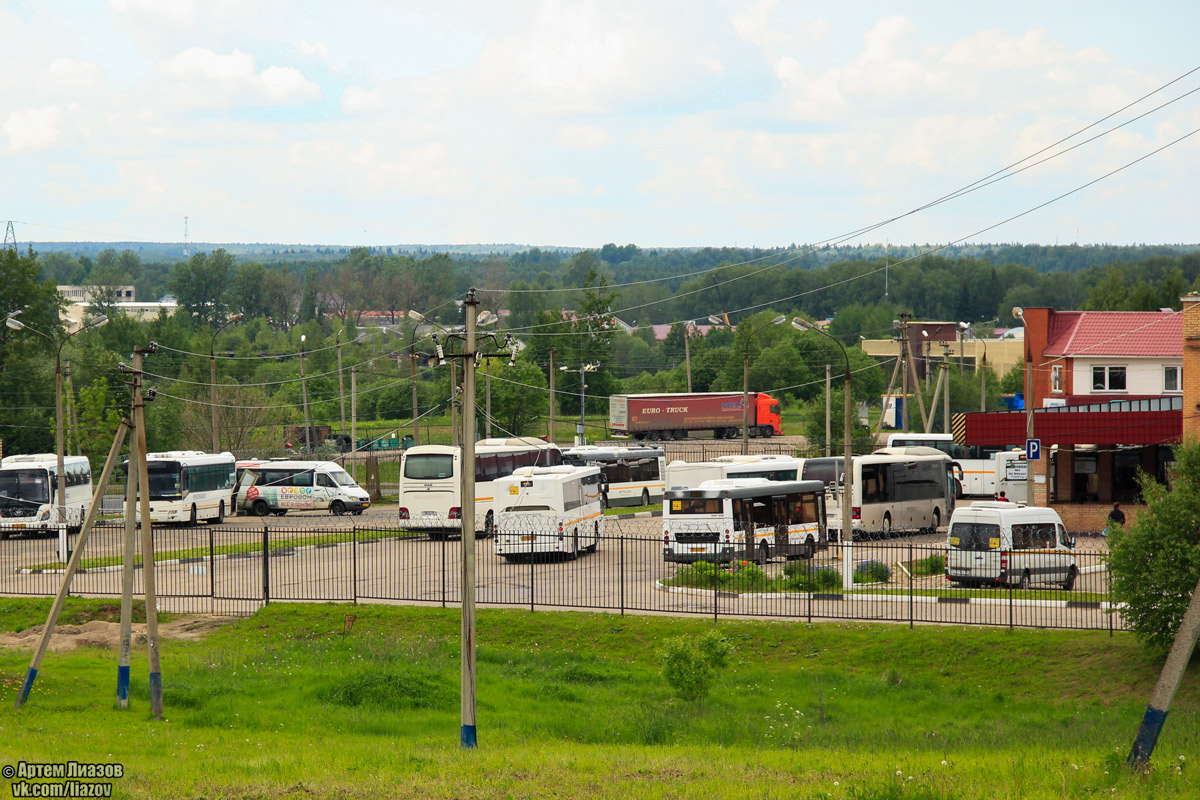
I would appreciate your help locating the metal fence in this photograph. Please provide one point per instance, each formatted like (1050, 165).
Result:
(235, 570)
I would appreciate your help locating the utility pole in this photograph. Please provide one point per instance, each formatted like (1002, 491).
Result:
(341, 383)
(354, 414)
(148, 579)
(687, 352)
(906, 355)
(553, 373)
(487, 380)
(212, 378)
(129, 556)
(467, 736)
(72, 416)
(454, 404)
(412, 361)
(828, 411)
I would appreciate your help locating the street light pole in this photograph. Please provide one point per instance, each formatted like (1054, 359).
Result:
(99, 322)
(1019, 313)
(304, 393)
(341, 383)
(212, 381)
(847, 462)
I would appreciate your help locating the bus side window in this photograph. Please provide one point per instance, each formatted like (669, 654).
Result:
(302, 478)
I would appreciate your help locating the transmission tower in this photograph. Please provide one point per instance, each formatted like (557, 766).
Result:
(10, 237)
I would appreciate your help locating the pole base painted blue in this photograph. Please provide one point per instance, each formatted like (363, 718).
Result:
(468, 736)
(26, 687)
(123, 684)
(1147, 737)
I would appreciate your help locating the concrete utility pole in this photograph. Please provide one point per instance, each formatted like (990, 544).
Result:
(341, 384)
(212, 381)
(148, 579)
(412, 360)
(553, 373)
(487, 409)
(72, 417)
(687, 351)
(354, 414)
(906, 355)
(304, 393)
(1019, 313)
(828, 411)
(468, 732)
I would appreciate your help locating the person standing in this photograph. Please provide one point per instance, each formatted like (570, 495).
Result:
(1116, 516)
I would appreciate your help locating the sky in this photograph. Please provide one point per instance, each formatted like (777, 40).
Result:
(579, 122)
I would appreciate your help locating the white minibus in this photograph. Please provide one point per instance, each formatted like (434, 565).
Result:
(430, 480)
(190, 485)
(549, 510)
(771, 467)
(28, 486)
(635, 475)
(895, 489)
(730, 519)
(277, 487)
(997, 543)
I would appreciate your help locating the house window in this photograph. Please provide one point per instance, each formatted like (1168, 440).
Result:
(1171, 379)
(1108, 379)
(1056, 378)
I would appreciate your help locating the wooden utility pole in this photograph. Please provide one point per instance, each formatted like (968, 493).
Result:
(148, 581)
(906, 357)
(468, 529)
(129, 556)
(72, 415)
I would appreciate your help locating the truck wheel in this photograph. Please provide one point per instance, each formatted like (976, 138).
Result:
(731, 433)
(680, 435)
(639, 437)
(766, 432)
(652, 436)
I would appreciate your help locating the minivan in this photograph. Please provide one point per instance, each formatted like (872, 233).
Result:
(276, 487)
(998, 543)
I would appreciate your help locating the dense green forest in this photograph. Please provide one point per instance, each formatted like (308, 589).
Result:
(578, 304)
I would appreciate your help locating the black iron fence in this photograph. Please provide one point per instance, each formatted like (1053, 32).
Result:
(235, 570)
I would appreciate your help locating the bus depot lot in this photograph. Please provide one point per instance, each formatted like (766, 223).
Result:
(221, 569)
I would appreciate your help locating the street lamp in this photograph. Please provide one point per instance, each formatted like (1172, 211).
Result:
(847, 462)
(15, 324)
(1019, 313)
(746, 382)
(212, 370)
(583, 370)
(304, 394)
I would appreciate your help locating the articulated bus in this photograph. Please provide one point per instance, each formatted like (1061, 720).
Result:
(187, 486)
(730, 519)
(895, 489)
(635, 475)
(28, 484)
(978, 462)
(430, 475)
(684, 474)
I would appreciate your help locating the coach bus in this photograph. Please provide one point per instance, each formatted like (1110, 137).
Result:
(431, 475)
(28, 487)
(771, 467)
(730, 519)
(894, 489)
(549, 510)
(187, 486)
(635, 475)
(978, 462)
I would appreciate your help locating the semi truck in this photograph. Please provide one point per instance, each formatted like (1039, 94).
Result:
(656, 417)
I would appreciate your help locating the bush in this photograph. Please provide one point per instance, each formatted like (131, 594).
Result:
(1155, 563)
(930, 565)
(872, 572)
(803, 577)
(689, 666)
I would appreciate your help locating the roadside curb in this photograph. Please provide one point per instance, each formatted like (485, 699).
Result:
(636, 515)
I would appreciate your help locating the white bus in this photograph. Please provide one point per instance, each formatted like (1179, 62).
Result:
(977, 462)
(187, 486)
(635, 475)
(684, 474)
(895, 489)
(28, 487)
(430, 475)
(277, 487)
(549, 510)
(731, 519)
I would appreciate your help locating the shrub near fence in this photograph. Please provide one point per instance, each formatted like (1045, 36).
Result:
(235, 570)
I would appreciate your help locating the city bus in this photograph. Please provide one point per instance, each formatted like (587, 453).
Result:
(187, 486)
(895, 489)
(276, 486)
(28, 487)
(549, 510)
(635, 475)
(772, 467)
(730, 519)
(978, 462)
(430, 480)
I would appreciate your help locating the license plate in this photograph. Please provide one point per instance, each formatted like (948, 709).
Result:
(528, 538)
(699, 549)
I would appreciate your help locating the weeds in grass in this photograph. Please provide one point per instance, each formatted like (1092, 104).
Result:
(690, 665)
(930, 565)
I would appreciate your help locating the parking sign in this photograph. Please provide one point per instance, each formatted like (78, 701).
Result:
(1033, 449)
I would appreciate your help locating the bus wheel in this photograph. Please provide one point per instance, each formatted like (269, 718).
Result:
(591, 548)
(937, 519)
(260, 508)
(764, 553)
(489, 525)
(574, 554)
(220, 513)
(338, 508)
(192, 518)
(810, 549)
(1069, 583)
(645, 497)
(1024, 584)
(887, 526)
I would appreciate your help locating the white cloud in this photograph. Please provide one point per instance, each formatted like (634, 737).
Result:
(359, 100)
(205, 78)
(34, 128)
(582, 137)
(286, 85)
(307, 48)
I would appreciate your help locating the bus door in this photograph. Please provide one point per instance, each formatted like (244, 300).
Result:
(780, 515)
(324, 490)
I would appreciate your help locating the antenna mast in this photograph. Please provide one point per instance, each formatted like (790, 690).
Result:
(10, 237)
(186, 248)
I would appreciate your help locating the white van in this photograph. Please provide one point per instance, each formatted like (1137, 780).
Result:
(549, 510)
(1009, 544)
(276, 487)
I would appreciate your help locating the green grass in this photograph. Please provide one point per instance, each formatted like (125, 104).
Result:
(571, 705)
(617, 510)
(336, 537)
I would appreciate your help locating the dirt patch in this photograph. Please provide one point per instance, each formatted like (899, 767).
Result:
(103, 634)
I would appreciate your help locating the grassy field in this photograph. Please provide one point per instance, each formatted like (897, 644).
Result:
(285, 704)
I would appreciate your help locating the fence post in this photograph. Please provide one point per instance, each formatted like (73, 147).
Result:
(716, 565)
(445, 539)
(354, 564)
(622, 572)
(911, 567)
(212, 575)
(531, 575)
(266, 569)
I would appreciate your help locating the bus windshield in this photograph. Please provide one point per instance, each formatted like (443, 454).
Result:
(696, 505)
(428, 466)
(166, 482)
(341, 477)
(24, 488)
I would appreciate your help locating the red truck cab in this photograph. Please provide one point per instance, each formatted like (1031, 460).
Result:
(767, 412)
